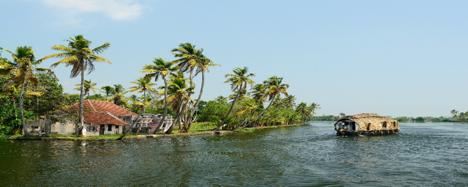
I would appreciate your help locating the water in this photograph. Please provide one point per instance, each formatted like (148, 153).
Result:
(429, 154)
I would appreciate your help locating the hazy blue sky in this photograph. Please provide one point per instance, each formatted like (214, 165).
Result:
(395, 57)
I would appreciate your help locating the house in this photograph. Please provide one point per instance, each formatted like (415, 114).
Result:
(102, 117)
(366, 124)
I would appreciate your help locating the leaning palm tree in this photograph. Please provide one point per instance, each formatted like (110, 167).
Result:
(21, 72)
(142, 85)
(202, 66)
(187, 58)
(160, 68)
(178, 94)
(88, 87)
(108, 91)
(274, 87)
(191, 60)
(81, 57)
(239, 79)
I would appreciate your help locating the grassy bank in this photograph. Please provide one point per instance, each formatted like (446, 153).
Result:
(255, 129)
(200, 128)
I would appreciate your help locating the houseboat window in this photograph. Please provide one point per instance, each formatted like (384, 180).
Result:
(368, 126)
(109, 127)
(384, 124)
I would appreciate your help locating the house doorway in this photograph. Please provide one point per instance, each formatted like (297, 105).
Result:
(101, 129)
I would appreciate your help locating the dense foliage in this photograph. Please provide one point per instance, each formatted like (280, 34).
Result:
(459, 116)
(169, 87)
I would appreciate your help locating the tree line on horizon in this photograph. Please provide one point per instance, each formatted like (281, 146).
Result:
(456, 117)
(171, 87)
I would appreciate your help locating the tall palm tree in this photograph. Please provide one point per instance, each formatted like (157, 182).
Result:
(142, 85)
(81, 57)
(88, 86)
(191, 60)
(108, 91)
(239, 79)
(160, 68)
(202, 66)
(22, 73)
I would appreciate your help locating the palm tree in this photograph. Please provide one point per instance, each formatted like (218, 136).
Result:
(202, 66)
(239, 79)
(119, 95)
(142, 85)
(306, 112)
(81, 57)
(108, 90)
(188, 56)
(274, 87)
(160, 68)
(178, 94)
(22, 73)
(190, 59)
(259, 93)
(454, 113)
(88, 87)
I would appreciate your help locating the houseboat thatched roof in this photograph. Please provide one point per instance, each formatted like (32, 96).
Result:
(366, 118)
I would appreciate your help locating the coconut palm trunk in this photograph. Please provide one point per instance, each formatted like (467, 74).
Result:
(165, 105)
(81, 115)
(241, 87)
(266, 109)
(144, 101)
(195, 106)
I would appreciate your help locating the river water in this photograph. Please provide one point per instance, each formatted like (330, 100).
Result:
(426, 154)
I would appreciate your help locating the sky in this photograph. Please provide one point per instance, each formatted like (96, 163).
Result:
(399, 57)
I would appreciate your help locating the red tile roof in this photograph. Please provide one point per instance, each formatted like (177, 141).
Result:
(104, 106)
(103, 112)
(99, 118)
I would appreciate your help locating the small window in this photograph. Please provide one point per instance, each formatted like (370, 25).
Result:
(109, 127)
(117, 127)
(368, 126)
(384, 124)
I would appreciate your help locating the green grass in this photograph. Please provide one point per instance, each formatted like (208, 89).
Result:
(202, 126)
(255, 129)
(3, 137)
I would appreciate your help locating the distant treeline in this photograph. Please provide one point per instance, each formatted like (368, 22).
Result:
(456, 117)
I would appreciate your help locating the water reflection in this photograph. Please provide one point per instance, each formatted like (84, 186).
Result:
(302, 156)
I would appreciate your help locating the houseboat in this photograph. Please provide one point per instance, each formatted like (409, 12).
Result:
(366, 124)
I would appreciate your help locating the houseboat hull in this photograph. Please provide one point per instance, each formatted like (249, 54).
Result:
(368, 133)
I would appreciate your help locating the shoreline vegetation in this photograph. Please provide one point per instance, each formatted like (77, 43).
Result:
(114, 137)
(175, 87)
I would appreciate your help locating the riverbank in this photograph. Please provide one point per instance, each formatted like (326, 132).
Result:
(198, 129)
